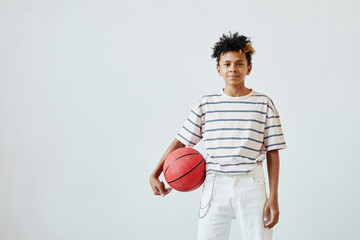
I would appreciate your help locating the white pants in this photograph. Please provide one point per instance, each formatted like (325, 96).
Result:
(240, 197)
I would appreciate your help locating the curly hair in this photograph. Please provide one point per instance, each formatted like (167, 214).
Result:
(233, 42)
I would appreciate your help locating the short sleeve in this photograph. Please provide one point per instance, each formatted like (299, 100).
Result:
(191, 132)
(273, 134)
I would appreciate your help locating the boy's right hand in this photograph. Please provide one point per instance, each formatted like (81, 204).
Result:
(158, 187)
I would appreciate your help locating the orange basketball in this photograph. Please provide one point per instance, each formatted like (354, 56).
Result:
(184, 169)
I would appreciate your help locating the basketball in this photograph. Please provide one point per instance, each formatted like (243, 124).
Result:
(184, 169)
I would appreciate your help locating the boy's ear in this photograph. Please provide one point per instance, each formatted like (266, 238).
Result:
(218, 69)
(249, 69)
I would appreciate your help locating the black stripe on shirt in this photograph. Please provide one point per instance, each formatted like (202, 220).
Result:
(229, 119)
(232, 111)
(272, 117)
(252, 149)
(185, 139)
(194, 123)
(230, 164)
(214, 111)
(275, 144)
(272, 126)
(213, 170)
(196, 114)
(212, 95)
(191, 132)
(231, 129)
(244, 102)
(231, 156)
(233, 138)
(274, 135)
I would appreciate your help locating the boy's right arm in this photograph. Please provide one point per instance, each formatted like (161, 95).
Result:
(157, 186)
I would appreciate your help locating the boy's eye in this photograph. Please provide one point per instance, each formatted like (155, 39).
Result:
(227, 64)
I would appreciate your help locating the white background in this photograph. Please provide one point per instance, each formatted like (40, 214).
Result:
(93, 92)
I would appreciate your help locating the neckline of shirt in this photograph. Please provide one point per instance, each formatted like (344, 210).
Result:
(223, 94)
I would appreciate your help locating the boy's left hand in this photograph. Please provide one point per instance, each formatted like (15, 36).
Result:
(273, 207)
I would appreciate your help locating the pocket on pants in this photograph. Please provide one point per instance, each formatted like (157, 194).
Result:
(257, 176)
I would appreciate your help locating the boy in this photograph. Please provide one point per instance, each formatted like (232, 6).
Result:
(239, 127)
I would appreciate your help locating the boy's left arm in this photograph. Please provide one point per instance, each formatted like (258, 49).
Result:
(272, 203)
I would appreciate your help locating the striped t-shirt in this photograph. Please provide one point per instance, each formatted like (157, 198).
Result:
(237, 131)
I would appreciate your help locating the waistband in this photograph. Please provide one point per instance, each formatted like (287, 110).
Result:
(255, 170)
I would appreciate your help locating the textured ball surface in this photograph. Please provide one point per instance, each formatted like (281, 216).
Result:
(184, 169)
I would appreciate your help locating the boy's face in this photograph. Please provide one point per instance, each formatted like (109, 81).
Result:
(233, 68)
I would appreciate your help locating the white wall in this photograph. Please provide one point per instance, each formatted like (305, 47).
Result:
(93, 92)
